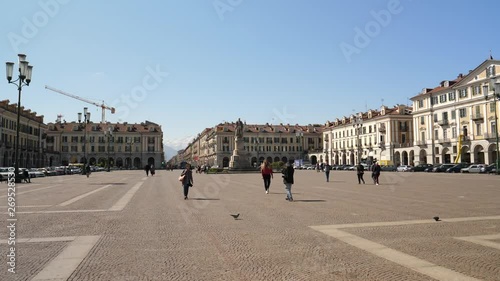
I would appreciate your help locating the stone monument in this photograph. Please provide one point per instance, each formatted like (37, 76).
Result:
(239, 159)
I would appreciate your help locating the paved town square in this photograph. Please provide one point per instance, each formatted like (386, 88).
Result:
(126, 226)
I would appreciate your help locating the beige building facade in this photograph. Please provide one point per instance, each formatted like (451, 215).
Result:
(275, 143)
(383, 135)
(128, 146)
(454, 122)
(32, 137)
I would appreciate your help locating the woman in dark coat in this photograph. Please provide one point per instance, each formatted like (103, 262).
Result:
(287, 174)
(187, 181)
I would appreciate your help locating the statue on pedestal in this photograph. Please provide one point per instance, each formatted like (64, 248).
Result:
(239, 129)
(239, 158)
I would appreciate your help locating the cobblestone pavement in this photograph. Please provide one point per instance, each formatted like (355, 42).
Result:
(126, 226)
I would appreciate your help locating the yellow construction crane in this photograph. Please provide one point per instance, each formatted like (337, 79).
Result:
(459, 149)
(102, 105)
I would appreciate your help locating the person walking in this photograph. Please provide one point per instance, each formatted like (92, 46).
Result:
(147, 168)
(376, 173)
(26, 176)
(152, 170)
(361, 171)
(87, 170)
(287, 174)
(267, 173)
(187, 180)
(327, 168)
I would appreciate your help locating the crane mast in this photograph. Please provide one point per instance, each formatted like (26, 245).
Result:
(101, 105)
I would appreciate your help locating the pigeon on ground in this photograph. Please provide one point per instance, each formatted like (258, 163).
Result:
(235, 216)
(436, 218)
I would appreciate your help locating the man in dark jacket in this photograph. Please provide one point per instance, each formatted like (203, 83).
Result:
(361, 171)
(327, 169)
(376, 172)
(287, 174)
(26, 176)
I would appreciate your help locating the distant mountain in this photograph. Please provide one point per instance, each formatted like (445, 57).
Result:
(172, 146)
(169, 152)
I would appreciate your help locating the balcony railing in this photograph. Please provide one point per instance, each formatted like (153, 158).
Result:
(477, 117)
(443, 122)
(489, 136)
(444, 140)
(381, 129)
(421, 142)
(403, 129)
(399, 145)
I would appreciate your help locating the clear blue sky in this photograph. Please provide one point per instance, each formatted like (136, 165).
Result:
(261, 61)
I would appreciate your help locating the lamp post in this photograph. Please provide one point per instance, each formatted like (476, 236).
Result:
(358, 124)
(495, 86)
(108, 134)
(24, 79)
(131, 142)
(86, 120)
(300, 135)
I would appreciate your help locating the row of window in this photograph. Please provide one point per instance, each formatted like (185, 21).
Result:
(10, 139)
(73, 139)
(100, 148)
(478, 131)
(267, 148)
(462, 113)
(25, 129)
(270, 140)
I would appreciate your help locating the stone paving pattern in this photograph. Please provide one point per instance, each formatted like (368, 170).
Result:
(160, 236)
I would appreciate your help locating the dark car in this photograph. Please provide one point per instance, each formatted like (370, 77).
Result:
(490, 169)
(457, 168)
(388, 168)
(442, 168)
(431, 168)
(421, 167)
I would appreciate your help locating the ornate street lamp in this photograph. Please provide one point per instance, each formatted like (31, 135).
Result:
(109, 134)
(358, 124)
(495, 86)
(24, 79)
(131, 142)
(86, 120)
(300, 135)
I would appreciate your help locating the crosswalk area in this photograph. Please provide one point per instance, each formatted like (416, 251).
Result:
(75, 194)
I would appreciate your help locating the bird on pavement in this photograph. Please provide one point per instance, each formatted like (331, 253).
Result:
(235, 216)
(436, 218)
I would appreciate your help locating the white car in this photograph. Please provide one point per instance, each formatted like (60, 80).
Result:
(474, 168)
(36, 173)
(404, 168)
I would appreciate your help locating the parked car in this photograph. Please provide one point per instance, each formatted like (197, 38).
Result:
(4, 173)
(474, 168)
(421, 167)
(442, 168)
(35, 173)
(488, 169)
(457, 168)
(404, 168)
(431, 168)
(60, 170)
(49, 171)
(388, 168)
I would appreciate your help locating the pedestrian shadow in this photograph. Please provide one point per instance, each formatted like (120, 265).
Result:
(310, 200)
(204, 198)
(283, 193)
